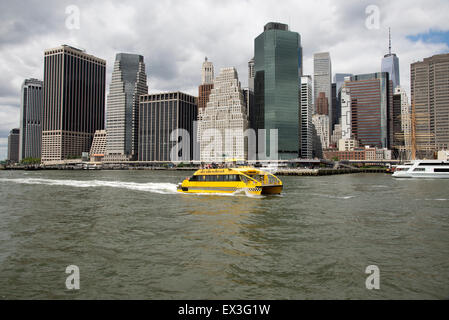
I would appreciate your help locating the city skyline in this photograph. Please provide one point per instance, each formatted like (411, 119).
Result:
(173, 65)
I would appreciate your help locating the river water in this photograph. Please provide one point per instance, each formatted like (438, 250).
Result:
(133, 236)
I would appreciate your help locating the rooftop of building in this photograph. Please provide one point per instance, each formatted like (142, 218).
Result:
(172, 95)
(275, 26)
(434, 58)
(76, 51)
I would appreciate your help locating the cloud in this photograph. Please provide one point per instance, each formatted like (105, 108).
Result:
(174, 36)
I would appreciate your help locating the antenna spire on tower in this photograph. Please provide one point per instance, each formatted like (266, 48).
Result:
(389, 41)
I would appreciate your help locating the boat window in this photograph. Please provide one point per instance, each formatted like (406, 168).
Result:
(419, 169)
(194, 178)
(434, 164)
(440, 170)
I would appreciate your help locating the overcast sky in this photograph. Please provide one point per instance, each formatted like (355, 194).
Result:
(175, 36)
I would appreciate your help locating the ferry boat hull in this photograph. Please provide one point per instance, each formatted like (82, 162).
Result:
(230, 180)
(426, 169)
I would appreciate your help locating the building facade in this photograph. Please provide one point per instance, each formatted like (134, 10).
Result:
(129, 81)
(339, 80)
(322, 82)
(207, 83)
(306, 112)
(430, 108)
(401, 124)
(222, 124)
(371, 109)
(251, 74)
(390, 64)
(30, 119)
(322, 104)
(74, 102)
(163, 118)
(98, 148)
(207, 72)
(13, 145)
(278, 67)
(345, 100)
(321, 124)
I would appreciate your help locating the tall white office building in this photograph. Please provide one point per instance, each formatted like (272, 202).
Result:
(306, 112)
(322, 79)
(129, 81)
(222, 124)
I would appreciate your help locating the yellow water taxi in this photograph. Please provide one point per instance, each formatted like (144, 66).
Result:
(230, 180)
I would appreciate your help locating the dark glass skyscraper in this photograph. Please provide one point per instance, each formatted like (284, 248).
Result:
(160, 115)
(278, 65)
(372, 109)
(30, 119)
(74, 94)
(13, 145)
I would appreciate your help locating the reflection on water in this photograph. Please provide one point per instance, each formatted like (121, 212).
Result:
(133, 236)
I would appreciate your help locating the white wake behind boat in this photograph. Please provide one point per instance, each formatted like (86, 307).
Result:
(423, 169)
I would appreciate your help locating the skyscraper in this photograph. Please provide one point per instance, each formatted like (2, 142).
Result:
(277, 64)
(339, 79)
(401, 124)
(322, 104)
(129, 81)
(371, 109)
(322, 81)
(429, 92)
(74, 94)
(207, 83)
(321, 124)
(207, 72)
(162, 117)
(13, 145)
(345, 99)
(390, 64)
(306, 112)
(249, 96)
(251, 74)
(30, 119)
(222, 124)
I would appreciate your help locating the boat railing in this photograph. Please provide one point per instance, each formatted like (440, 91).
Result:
(266, 179)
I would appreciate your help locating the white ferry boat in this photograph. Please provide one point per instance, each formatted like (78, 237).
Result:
(422, 169)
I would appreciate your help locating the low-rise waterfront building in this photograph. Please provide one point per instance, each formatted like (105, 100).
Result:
(98, 148)
(13, 145)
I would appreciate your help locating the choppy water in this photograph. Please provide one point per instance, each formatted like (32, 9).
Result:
(133, 236)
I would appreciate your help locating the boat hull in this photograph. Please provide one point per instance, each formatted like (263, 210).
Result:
(255, 191)
(275, 189)
(422, 175)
